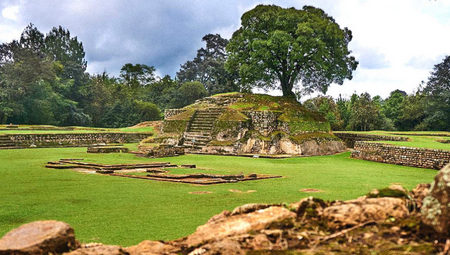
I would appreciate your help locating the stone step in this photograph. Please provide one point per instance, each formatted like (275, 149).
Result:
(209, 112)
(209, 124)
(10, 147)
(200, 129)
(204, 119)
(198, 142)
(197, 138)
(206, 116)
(198, 145)
(201, 125)
(7, 145)
(203, 122)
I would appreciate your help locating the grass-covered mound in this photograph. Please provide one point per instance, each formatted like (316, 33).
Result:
(257, 123)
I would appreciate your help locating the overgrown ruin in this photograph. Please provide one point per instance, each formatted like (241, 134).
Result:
(240, 123)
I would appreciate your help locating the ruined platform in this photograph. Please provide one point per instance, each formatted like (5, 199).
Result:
(159, 171)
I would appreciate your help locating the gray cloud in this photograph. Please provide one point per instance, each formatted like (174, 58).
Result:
(424, 62)
(160, 33)
(372, 59)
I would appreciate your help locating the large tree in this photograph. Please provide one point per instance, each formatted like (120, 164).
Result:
(291, 47)
(437, 97)
(208, 67)
(138, 75)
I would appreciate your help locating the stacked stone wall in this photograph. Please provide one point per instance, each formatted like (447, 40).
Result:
(399, 155)
(219, 100)
(264, 122)
(171, 112)
(81, 139)
(350, 138)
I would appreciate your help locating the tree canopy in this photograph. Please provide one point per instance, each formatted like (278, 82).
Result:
(208, 67)
(291, 47)
(437, 96)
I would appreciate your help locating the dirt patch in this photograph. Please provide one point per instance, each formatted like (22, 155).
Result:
(200, 192)
(148, 124)
(311, 190)
(240, 191)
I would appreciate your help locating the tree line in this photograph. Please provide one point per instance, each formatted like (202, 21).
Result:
(426, 109)
(43, 78)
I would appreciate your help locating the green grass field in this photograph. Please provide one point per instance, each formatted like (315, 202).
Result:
(125, 211)
(425, 139)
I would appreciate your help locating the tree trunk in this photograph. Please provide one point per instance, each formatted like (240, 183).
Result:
(286, 87)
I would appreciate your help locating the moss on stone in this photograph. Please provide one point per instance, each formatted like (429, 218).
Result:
(387, 192)
(316, 136)
(186, 115)
(175, 126)
(221, 143)
(232, 115)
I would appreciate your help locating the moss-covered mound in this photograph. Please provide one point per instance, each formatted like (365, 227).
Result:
(252, 123)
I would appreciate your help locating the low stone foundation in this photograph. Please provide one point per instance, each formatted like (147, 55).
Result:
(399, 155)
(106, 149)
(350, 138)
(81, 139)
(165, 150)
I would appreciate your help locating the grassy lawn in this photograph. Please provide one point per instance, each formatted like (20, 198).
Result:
(34, 129)
(125, 211)
(425, 139)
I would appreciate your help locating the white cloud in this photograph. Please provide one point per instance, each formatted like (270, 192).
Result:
(11, 12)
(404, 32)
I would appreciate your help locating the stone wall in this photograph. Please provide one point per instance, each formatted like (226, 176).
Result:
(265, 122)
(350, 138)
(81, 139)
(171, 112)
(399, 155)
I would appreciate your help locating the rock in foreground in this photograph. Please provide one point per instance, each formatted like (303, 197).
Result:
(39, 237)
(238, 224)
(435, 208)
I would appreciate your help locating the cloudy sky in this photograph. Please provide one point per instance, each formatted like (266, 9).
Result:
(396, 42)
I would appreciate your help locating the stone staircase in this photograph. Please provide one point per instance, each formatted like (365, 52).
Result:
(199, 130)
(5, 142)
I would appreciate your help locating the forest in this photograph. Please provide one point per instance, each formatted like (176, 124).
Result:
(43, 80)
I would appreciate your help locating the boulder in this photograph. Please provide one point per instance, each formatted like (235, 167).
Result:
(39, 237)
(226, 246)
(99, 250)
(394, 190)
(248, 208)
(308, 207)
(237, 224)
(152, 248)
(435, 209)
(419, 193)
(363, 210)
